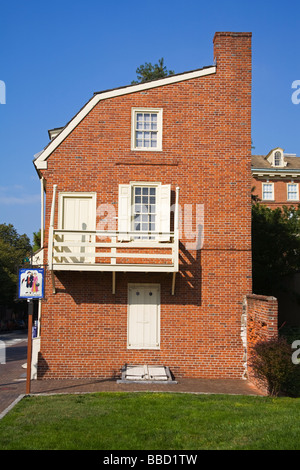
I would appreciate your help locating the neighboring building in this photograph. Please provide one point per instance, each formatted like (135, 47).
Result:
(276, 178)
(276, 181)
(147, 231)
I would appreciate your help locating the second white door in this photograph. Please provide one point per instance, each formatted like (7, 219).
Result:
(77, 215)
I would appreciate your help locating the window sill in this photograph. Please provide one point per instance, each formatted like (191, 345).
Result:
(146, 149)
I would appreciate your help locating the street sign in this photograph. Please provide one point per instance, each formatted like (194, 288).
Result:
(31, 283)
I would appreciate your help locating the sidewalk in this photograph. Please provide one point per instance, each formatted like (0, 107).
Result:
(207, 386)
(12, 375)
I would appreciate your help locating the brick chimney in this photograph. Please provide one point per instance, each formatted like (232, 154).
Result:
(232, 53)
(230, 47)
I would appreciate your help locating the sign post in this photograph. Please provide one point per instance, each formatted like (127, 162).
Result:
(29, 345)
(31, 286)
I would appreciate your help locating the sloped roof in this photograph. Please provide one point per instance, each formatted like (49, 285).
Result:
(260, 162)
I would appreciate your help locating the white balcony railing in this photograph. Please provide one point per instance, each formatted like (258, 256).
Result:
(100, 250)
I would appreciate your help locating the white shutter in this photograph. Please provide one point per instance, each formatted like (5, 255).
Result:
(124, 211)
(164, 211)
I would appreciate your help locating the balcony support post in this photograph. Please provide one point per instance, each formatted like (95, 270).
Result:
(53, 282)
(173, 283)
(114, 282)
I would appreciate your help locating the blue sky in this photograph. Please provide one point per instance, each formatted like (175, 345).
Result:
(54, 56)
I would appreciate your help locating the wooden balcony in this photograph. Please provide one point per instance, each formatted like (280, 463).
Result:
(100, 250)
(106, 250)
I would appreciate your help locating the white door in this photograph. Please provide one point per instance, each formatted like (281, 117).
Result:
(77, 214)
(144, 316)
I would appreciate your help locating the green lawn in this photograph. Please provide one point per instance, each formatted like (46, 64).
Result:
(151, 421)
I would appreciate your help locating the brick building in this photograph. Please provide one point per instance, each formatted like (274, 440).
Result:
(276, 182)
(147, 235)
(276, 178)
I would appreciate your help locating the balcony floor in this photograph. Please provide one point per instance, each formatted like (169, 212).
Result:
(167, 268)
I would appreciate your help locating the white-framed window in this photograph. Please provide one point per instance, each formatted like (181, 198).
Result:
(144, 211)
(143, 327)
(268, 191)
(292, 192)
(277, 158)
(146, 129)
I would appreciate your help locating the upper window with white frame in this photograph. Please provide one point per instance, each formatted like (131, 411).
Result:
(144, 211)
(146, 125)
(277, 158)
(268, 191)
(292, 192)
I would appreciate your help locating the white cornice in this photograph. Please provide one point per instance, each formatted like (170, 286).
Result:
(40, 161)
(275, 172)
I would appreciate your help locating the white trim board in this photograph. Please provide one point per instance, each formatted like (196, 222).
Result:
(41, 161)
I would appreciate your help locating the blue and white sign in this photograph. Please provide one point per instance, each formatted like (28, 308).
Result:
(31, 283)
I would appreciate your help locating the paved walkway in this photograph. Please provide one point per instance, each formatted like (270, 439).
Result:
(12, 375)
(229, 386)
(13, 382)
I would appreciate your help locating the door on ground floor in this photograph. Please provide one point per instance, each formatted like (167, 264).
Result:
(143, 316)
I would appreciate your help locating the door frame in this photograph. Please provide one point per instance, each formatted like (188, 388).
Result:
(158, 326)
(78, 195)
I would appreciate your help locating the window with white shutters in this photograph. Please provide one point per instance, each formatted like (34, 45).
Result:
(144, 208)
(144, 211)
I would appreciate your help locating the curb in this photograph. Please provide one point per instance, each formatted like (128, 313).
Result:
(20, 397)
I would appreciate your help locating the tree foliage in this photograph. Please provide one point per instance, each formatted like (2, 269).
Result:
(275, 246)
(36, 241)
(148, 72)
(271, 362)
(13, 249)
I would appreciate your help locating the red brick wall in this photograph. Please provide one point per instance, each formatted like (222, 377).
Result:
(207, 153)
(262, 325)
(262, 318)
(280, 192)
